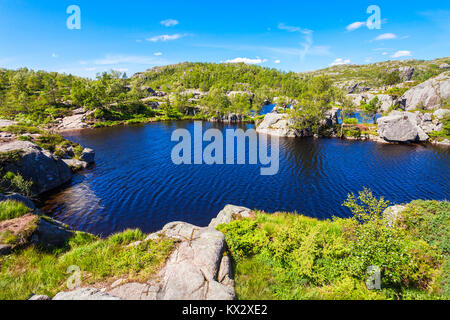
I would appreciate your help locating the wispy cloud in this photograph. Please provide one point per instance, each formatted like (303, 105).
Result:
(277, 61)
(54, 55)
(158, 54)
(401, 53)
(246, 60)
(355, 25)
(339, 62)
(308, 38)
(169, 22)
(165, 37)
(386, 36)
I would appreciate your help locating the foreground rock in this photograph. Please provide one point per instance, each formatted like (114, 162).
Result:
(32, 229)
(84, 294)
(41, 166)
(198, 268)
(429, 94)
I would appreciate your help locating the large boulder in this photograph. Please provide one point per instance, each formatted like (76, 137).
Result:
(401, 127)
(277, 124)
(88, 155)
(46, 171)
(429, 94)
(51, 233)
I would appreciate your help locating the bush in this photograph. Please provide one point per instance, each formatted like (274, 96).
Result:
(16, 183)
(350, 121)
(288, 256)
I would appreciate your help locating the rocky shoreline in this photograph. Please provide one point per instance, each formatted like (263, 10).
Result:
(199, 267)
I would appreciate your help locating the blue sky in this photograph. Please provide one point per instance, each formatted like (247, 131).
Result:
(296, 35)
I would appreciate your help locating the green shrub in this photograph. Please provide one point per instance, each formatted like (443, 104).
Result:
(350, 121)
(244, 237)
(16, 183)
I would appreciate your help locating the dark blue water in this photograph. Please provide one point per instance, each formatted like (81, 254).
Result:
(135, 184)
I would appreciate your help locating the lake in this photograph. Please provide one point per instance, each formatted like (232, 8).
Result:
(134, 183)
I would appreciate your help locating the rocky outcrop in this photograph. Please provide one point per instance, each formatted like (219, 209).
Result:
(198, 268)
(41, 166)
(429, 94)
(228, 214)
(406, 73)
(386, 101)
(76, 121)
(278, 124)
(402, 127)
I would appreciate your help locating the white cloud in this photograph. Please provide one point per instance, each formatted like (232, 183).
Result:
(384, 53)
(339, 62)
(165, 37)
(355, 25)
(169, 22)
(386, 36)
(246, 60)
(277, 61)
(401, 53)
(54, 55)
(158, 54)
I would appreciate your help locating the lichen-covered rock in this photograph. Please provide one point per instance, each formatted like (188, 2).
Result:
(429, 94)
(441, 113)
(228, 213)
(46, 171)
(84, 294)
(391, 214)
